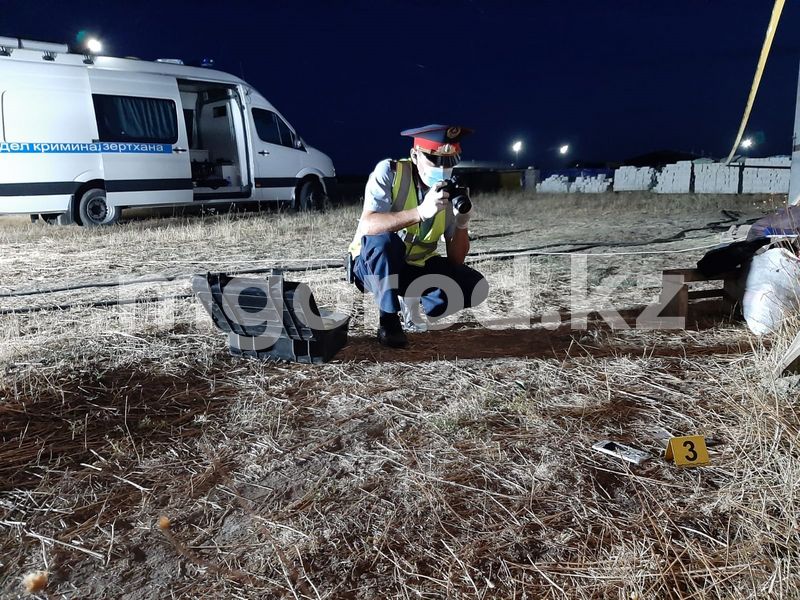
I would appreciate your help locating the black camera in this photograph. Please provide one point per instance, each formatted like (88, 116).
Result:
(459, 195)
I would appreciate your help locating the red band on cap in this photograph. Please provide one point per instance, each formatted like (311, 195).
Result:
(435, 146)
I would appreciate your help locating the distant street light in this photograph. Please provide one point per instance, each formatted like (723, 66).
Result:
(516, 147)
(747, 143)
(94, 46)
(563, 149)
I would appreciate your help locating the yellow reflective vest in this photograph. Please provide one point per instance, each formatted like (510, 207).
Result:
(421, 239)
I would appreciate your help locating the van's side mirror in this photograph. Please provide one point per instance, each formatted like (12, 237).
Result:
(298, 143)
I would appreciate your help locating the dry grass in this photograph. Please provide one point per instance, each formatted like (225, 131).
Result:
(459, 468)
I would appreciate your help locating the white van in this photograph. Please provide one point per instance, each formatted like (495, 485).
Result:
(85, 136)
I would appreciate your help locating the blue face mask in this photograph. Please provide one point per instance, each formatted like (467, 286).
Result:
(434, 175)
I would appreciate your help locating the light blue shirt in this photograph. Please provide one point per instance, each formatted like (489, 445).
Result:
(378, 195)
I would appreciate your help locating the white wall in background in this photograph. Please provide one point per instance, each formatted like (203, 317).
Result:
(591, 185)
(769, 175)
(554, 183)
(629, 179)
(675, 179)
(716, 178)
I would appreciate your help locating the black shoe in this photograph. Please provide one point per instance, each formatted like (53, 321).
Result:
(391, 333)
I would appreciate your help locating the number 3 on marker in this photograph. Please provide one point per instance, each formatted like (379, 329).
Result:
(689, 445)
(688, 451)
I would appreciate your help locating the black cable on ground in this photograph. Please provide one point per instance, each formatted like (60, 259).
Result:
(731, 217)
(97, 304)
(89, 284)
(156, 279)
(713, 226)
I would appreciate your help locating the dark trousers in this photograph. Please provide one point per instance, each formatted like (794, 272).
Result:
(443, 287)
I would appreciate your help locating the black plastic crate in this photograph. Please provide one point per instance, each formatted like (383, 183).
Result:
(271, 318)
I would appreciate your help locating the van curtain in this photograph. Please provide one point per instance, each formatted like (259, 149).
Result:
(131, 119)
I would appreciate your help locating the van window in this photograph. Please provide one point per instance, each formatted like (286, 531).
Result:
(135, 119)
(266, 127)
(272, 129)
(287, 137)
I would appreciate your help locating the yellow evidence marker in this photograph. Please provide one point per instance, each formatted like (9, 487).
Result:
(688, 451)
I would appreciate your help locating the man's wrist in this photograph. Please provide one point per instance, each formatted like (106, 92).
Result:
(462, 221)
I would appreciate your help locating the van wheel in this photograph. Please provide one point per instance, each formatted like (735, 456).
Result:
(310, 196)
(94, 209)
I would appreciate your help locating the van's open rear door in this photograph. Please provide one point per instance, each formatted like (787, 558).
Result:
(142, 136)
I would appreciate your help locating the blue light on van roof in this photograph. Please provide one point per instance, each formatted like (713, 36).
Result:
(207, 62)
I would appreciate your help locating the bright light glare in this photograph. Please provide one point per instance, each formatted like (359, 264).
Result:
(517, 146)
(93, 45)
(563, 149)
(747, 143)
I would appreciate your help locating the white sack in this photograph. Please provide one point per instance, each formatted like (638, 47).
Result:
(772, 290)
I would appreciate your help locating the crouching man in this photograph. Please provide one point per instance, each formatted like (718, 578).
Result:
(407, 210)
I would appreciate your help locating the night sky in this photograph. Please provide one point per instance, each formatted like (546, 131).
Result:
(614, 79)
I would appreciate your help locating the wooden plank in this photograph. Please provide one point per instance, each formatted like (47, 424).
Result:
(688, 275)
(674, 295)
(693, 275)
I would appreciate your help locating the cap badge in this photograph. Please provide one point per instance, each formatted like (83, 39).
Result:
(453, 132)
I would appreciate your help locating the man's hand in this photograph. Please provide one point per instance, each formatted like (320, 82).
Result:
(435, 200)
(462, 219)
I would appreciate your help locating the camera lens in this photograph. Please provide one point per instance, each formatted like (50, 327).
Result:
(462, 204)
